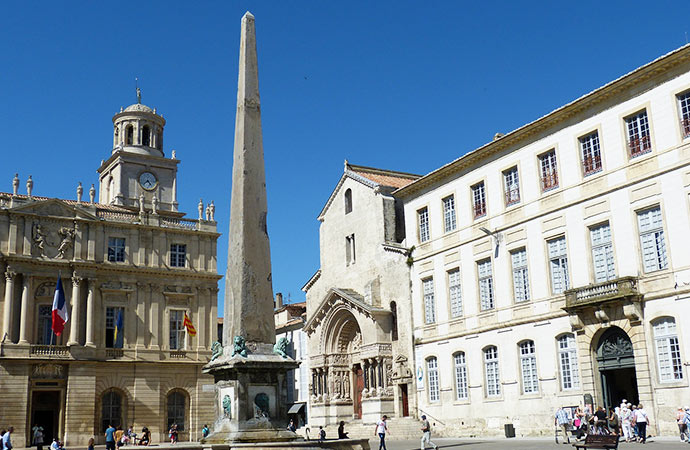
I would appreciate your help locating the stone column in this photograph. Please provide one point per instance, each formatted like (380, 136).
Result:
(76, 311)
(141, 309)
(91, 313)
(365, 372)
(9, 304)
(27, 306)
(155, 317)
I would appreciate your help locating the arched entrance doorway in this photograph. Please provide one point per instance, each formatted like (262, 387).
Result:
(616, 364)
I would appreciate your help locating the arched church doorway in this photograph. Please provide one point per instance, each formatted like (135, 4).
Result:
(616, 364)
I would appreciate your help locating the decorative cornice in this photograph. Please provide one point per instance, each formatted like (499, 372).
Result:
(333, 298)
(626, 82)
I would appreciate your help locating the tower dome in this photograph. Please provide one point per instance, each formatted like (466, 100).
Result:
(138, 129)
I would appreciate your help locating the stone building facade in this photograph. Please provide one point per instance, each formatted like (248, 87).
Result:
(550, 266)
(132, 259)
(360, 358)
(289, 320)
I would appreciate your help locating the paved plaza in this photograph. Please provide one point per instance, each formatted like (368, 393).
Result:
(665, 442)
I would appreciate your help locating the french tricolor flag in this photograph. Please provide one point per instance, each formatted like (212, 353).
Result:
(60, 314)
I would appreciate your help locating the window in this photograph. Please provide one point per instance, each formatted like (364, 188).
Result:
(146, 136)
(652, 239)
(111, 410)
(423, 218)
(114, 320)
(590, 152)
(129, 135)
(558, 263)
(116, 249)
(511, 186)
(667, 349)
(479, 200)
(567, 357)
(493, 381)
(394, 319)
(455, 293)
(602, 253)
(176, 410)
(178, 253)
(432, 373)
(460, 376)
(639, 140)
(45, 325)
(520, 275)
(348, 201)
(350, 249)
(429, 302)
(486, 285)
(177, 331)
(159, 140)
(549, 171)
(684, 105)
(449, 213)
(528, 366)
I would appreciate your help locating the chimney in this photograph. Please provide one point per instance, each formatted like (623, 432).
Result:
(278, 301)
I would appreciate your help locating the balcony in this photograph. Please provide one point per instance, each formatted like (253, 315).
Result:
(50, 351)
(600, 293)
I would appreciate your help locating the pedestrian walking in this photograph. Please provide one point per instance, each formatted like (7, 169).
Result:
(38, 436)
(6, 439)
(426, 434)
(91, 443)
(110, 438)
(680, 415)
(686, 421)
(322, 434)
(626, 421)
(205, 431)
(562, 423)
(172, 434)
(381, 430)
(641, 420)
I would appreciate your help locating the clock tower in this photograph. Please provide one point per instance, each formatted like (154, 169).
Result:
(137, 167)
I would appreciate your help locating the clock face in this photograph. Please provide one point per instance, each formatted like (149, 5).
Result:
(148, 181)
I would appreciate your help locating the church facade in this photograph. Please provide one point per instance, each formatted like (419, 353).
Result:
(360, 359)
(545, 269)
(132, 268)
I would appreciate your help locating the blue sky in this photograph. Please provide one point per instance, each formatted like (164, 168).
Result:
(400, 85)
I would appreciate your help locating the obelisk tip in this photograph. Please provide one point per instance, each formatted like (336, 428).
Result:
(248, 16)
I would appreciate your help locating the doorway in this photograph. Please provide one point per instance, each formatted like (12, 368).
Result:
(45, 407)
(404, 406)
(359, 387)
(616, 363)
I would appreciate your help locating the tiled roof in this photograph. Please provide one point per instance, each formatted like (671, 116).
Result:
(384, 177)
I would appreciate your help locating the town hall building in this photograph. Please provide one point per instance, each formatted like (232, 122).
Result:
(132, 267)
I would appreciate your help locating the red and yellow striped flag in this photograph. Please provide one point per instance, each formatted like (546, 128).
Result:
(188, 324)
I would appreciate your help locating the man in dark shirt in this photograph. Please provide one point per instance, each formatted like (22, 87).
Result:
(601, 417)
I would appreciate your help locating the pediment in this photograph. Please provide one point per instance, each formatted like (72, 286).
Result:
(53, 208)
(336, 297)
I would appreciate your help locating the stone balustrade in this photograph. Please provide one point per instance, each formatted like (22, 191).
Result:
(596, 294)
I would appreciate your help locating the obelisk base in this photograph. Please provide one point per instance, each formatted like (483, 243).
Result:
(251, 397)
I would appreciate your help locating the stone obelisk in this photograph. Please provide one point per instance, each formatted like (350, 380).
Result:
(250, 375)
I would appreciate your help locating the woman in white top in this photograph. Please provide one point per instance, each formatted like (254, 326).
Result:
(641, 420)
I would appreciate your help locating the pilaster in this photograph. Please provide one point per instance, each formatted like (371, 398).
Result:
(26, 308)
(91, 313)
(8, 306)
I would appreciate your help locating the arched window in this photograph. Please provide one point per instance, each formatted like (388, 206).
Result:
(567, 359)
(460, 376)
(493, 380)
(146, 136)
(176, 409)
(432, 378)
(528, 367)
(667, 349)
(348, 201)
(129, 135)
(111, 411)
(394, 318)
